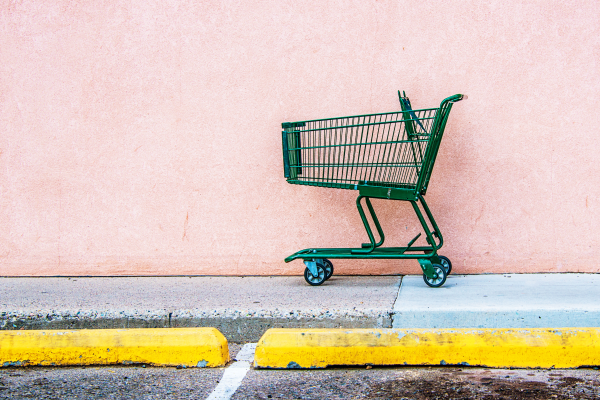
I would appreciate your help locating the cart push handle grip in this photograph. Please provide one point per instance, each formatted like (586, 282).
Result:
(453, 99)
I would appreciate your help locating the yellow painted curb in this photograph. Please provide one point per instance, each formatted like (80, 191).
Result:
(502, 348)
(190, 347)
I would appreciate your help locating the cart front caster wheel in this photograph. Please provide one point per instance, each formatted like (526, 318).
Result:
(328, 268)
(445, 262)
(315, 280)
(439, 276)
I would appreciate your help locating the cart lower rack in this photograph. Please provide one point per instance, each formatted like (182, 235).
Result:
(383, 156)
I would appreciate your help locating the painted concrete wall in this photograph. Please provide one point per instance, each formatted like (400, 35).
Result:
(144, 137)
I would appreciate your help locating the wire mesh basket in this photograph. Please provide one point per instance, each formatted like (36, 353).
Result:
(379, 149)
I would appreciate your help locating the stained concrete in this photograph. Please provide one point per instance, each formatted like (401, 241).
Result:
(241, 308)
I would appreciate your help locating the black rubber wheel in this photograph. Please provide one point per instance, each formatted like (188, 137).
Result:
(328, 268)
(315, 280)
(445, 262)
(439, 276)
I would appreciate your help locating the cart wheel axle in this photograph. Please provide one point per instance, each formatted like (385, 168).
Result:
(315, 280)
(439, 276)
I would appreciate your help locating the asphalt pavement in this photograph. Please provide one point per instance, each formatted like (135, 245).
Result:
(137, 382)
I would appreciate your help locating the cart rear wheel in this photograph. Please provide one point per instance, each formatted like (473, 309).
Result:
(328, 268)
(445, 262)
(315, 280)
(439, 276)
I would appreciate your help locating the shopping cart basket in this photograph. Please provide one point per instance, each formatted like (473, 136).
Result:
(383, 156)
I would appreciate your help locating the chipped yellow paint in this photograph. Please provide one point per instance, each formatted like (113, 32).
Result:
(190, 347)
(502, 348)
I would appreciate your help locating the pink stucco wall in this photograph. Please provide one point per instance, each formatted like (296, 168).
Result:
(143, 137)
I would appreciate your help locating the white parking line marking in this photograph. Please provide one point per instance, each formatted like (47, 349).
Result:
(234, 374)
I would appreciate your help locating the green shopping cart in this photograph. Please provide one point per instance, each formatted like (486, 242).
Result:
(383, 156)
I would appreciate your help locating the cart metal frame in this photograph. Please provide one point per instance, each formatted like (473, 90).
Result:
(383, 156)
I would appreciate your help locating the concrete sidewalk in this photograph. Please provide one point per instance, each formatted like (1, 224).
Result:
(244, 308)
(500, 301)
(241, 308)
